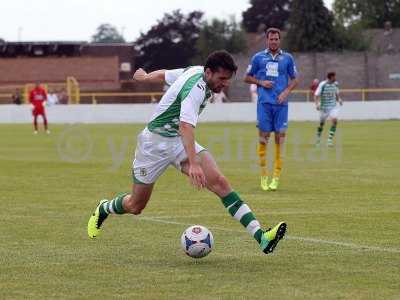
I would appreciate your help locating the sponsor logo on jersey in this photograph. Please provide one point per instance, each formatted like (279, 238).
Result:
(272, 69)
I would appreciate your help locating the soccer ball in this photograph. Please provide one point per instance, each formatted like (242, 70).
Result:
(197, 241)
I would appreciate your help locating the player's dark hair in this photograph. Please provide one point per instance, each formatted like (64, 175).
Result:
(273, 30)
(330, 75)
(220, 59)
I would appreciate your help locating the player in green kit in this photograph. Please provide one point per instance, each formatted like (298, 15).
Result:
(169, 140)
(326, 97)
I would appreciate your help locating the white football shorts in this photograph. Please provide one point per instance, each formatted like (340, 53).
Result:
(154, 153)
(332, 113)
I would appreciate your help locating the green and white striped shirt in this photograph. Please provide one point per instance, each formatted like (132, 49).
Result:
(184, 100)
(328, 93)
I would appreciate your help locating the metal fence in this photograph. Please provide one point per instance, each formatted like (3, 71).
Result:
(152, 97)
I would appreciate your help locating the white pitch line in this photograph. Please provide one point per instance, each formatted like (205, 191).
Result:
(275, 212)
(345, 244)
(296, 238)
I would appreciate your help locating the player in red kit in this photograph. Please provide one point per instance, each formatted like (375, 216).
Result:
(38, 97)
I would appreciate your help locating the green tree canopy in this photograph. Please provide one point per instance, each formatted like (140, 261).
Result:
(171, 42)
(107, 33)
(266, 13)
(310, 27)
(219, 34)
(370, 13)
(351, 37)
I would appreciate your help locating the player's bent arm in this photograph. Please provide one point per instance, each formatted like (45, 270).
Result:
(251, 80)
(264, 83)
(292, 84)
(187, 135)
(196, 173)
(152, 77)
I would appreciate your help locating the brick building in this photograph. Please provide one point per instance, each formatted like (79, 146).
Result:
(95, 66)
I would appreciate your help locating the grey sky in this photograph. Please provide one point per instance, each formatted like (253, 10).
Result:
(77, 20)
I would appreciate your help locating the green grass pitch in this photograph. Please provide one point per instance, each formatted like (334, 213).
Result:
(342, 207)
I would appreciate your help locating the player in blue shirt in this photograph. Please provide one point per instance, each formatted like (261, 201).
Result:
(274, 73)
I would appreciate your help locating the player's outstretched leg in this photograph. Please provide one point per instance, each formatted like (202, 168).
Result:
(103, 209)
(236, 207)
(242, 212)
(123, 203)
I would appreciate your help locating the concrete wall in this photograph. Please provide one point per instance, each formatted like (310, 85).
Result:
(354, 70)
(232, 112)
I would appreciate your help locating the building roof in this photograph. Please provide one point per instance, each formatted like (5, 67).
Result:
(54, 48)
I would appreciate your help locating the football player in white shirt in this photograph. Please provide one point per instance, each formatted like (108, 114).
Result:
(169, 139)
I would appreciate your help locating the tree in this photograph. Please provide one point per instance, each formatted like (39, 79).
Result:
(266, 13)
(171, 43)
(216, 35)
(352, 37)
(2, 41)
(370, 13)
(106, 33)
(310, 27)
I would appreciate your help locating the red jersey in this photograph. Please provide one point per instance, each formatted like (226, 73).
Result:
(37, 96)
(314, 86)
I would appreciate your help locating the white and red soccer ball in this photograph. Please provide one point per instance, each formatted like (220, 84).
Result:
(197, 241)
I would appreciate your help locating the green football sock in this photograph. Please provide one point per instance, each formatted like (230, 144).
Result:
(114, 206)
(241, 212)
(332, 131)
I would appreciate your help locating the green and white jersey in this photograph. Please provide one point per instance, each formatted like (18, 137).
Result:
(328, 93)
(184, 100)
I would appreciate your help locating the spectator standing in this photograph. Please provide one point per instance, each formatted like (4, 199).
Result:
(16, 98)
(52, 98)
